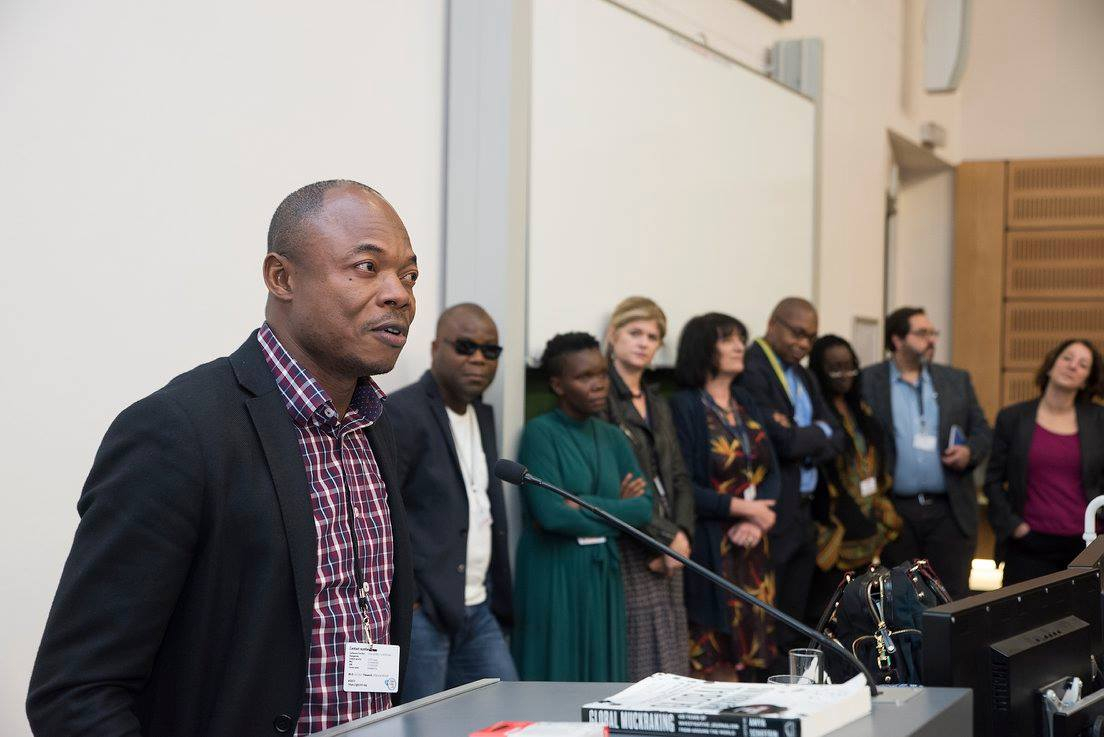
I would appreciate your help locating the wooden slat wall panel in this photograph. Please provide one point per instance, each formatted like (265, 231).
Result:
(1033, 328)
(979, 278)
(1019, 386)
(1056, 193)
(1064, 264)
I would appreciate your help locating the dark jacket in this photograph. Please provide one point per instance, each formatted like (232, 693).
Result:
(1006, 474)
(185, 607)
(437, 504)
(657, 449)
(796, 447)
(958, 405)
(706, 604)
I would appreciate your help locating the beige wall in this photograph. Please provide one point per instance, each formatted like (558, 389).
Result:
(1034, 84)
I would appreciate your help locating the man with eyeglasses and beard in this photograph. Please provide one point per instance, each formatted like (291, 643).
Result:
(936, 434)
(804, 434)
(455, 510)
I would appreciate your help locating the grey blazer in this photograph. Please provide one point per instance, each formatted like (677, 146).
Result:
(958, 405)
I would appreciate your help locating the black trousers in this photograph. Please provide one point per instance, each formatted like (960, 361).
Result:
(931, 532)
(1037, 554)
(793, 554)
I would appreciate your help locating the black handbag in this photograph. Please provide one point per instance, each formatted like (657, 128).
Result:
(876, 615)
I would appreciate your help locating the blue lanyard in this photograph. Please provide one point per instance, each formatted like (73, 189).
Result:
(739, 430)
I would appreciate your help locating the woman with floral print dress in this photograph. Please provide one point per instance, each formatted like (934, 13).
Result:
(735, 481)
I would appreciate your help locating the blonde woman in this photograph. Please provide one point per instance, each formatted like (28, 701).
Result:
(656, 630)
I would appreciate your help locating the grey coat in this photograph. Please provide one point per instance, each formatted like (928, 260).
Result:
(958, 405)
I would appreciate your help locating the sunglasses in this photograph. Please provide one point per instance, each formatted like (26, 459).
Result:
(468, 347)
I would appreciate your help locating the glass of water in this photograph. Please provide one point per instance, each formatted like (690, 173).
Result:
(807, 662)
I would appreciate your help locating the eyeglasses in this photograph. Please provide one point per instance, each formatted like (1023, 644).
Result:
(468, 347)
(797, 332)
(849, 374)
(924, 333)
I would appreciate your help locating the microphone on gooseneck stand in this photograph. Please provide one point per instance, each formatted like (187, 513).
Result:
(517, 474)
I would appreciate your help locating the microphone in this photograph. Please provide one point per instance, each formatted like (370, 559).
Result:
(514, 473)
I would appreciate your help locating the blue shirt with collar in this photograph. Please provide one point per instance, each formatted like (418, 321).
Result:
(803, 416)
(917, 470)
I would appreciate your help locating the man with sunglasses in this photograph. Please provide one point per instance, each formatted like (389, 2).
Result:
(804, 434)
(455, 510)
(936, 434)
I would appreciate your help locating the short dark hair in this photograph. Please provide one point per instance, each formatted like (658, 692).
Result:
(1094, 382)
(285, 228)
(697, 347)
(564, 344)
(897, 324)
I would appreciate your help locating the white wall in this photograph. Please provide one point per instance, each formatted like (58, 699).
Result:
(924, 245)
(143, 148)
(1034, 85)
(872, 82)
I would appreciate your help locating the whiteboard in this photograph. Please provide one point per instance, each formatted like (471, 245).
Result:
(659, 168)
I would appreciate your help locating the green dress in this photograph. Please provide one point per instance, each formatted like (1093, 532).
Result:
(569, 607)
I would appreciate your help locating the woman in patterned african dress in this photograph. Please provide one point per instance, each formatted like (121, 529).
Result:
(859, 519)
(735, 480)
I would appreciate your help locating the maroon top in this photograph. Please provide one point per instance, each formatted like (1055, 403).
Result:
(1055, 498)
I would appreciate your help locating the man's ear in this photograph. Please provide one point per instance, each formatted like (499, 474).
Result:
(556, 386)
(277, 276)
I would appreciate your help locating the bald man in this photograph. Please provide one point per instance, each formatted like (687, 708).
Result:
(804, 434)
(454, 504)
(242, 546)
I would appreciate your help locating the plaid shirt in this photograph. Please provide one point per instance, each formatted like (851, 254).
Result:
(337, 457)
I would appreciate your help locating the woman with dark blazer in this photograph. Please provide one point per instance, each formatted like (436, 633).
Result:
(736, 483)
(655, 611)
(1047, 464)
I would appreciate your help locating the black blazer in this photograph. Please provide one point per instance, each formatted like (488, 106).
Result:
(706, 604)
(796, 447)
(656, 447)
(185, 605)
(958, 405)
(437, 504)
(1006, 474)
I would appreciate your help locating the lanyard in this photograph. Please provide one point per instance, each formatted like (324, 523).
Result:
(920, 397)
(777, 366)
(739, 430)
(358, 574)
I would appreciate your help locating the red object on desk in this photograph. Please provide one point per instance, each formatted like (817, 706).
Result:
(522, 729)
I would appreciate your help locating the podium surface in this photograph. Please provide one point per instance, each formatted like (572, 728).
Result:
(898, 712)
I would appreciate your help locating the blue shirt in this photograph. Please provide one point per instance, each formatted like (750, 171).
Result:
(917, 470)
(803, 416)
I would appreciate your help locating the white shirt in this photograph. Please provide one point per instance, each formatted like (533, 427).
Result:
(473, 466)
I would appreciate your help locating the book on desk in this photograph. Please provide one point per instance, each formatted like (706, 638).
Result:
(666, 704)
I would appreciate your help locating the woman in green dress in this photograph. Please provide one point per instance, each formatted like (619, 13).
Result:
(569, 611)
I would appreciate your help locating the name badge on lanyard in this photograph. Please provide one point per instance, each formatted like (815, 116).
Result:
(924, 442)
(371, 668)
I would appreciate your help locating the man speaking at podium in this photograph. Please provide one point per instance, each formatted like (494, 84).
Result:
(242, 543)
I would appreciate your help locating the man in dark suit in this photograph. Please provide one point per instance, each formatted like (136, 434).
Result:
(918, 403)
(454, 506)
(804, 434)
(241, 530)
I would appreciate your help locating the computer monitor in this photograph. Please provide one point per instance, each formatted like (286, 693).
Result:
(1004, 644)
